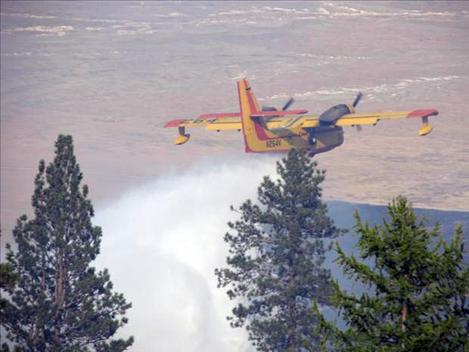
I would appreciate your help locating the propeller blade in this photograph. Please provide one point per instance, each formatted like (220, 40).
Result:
(288, 104)
(359, 128)
(357, 99)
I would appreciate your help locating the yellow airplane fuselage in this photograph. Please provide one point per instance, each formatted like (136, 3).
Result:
(259, 138)
(270, 130)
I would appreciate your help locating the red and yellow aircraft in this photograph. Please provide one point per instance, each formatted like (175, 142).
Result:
(270, 130)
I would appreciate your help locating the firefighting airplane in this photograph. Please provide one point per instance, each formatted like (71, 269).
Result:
(267, 129)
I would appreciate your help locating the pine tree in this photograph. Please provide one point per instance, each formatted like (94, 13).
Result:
(417, 283)
(275, 267)
(61, 302)
(8, 280)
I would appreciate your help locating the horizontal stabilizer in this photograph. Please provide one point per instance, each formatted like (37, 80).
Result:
(219, 115)
(279, 113)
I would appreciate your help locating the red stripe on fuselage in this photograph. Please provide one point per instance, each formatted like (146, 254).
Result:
(252, 105)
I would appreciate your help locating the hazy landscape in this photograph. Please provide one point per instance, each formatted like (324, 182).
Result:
(111, 74)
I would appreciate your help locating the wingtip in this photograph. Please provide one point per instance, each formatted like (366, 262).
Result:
(181, 139)
(173, 123)
(425, 129)
(423, 113)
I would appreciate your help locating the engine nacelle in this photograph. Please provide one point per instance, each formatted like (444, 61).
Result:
(330, 116)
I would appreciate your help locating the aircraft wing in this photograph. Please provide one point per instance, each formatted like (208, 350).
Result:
(232, 120)
(294, 120)
(374, 117)
(213, 122)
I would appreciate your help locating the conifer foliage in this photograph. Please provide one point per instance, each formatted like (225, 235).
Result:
(418, 286)
(276, 255)
(7, 281)
(61, 302)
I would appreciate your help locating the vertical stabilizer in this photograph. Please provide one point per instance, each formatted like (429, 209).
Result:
(257, 137)
(248, 105)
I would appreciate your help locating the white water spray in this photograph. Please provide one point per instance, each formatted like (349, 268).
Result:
(161, 244)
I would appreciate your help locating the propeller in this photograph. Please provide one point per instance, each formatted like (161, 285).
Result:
(355, 103)
(357, 99)
(285, 106)
(288, 103)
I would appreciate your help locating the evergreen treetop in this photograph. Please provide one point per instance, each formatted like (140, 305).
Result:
(276, 255)
(61, 302)
(417, 283)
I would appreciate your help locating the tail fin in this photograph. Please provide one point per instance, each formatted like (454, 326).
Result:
(254, 131)
(248, 105)
(257, 138)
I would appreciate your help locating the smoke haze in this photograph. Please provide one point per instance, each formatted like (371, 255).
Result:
(161, 244)
(112, 73)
